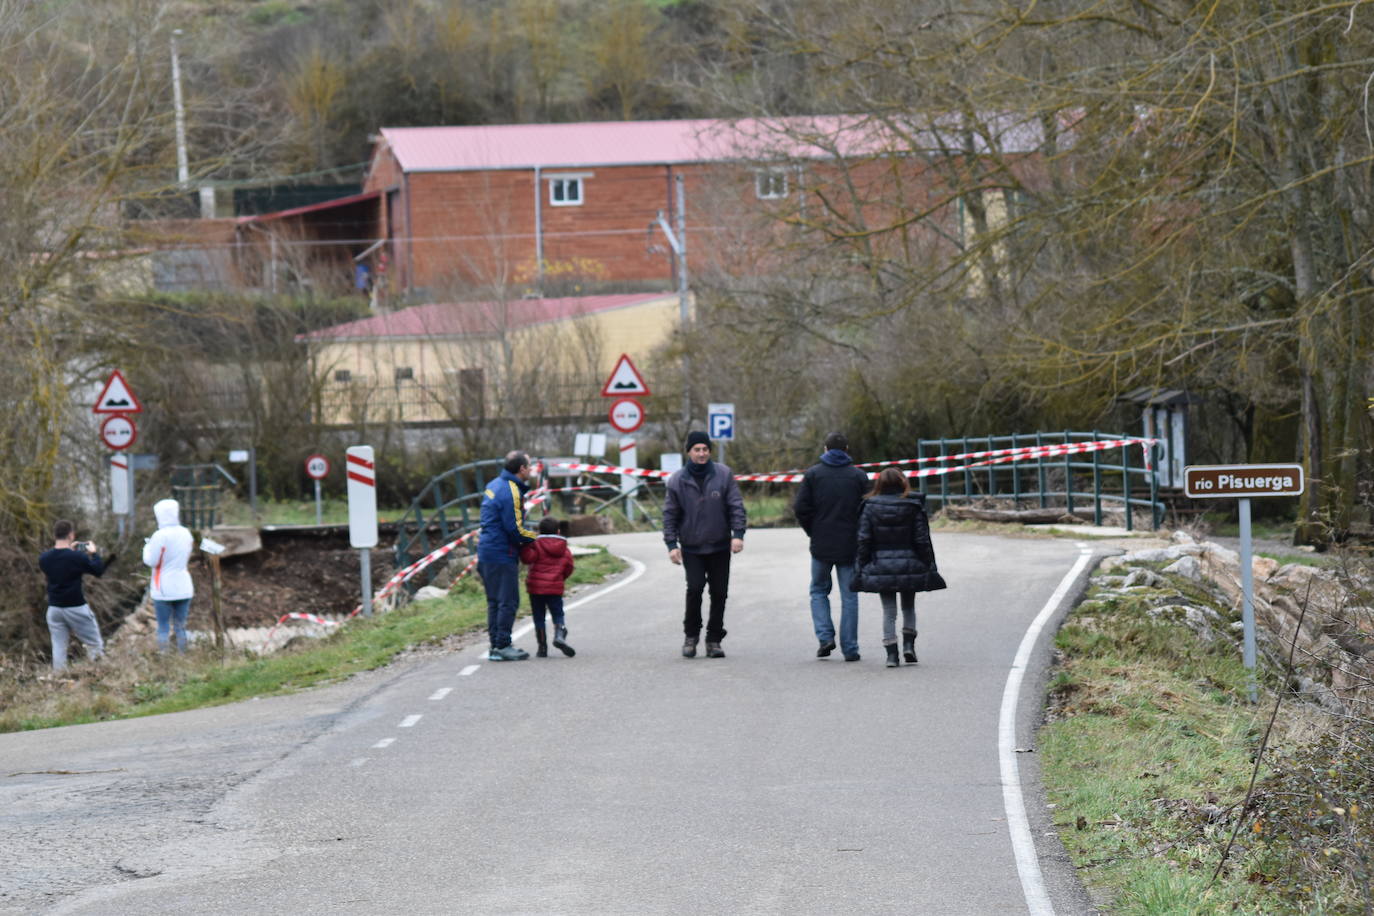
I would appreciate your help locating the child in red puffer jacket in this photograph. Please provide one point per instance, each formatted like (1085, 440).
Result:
(550, 562)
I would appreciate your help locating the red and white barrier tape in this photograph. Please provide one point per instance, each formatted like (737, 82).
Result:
(472, 564)
(998, 456)
(295, 616)
(1056, 448)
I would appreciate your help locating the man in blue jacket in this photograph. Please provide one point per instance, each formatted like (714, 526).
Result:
(703, 524)
(827, 506)
(498, 552)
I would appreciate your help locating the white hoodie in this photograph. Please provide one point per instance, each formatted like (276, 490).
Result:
(167, 552)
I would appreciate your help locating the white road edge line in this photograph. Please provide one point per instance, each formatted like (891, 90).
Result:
(1018, 827)
(441, 693)
(409, 721)
(468, 670)
(637, 569)
(385, 742)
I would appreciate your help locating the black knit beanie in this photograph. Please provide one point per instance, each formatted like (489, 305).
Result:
(696, 437)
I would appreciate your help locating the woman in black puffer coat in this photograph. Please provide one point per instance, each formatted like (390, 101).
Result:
(896, 557)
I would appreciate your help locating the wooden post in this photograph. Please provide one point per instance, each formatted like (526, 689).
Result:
(215, 615)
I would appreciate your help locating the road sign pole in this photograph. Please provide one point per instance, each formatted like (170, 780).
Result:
(361, 468)
(1247, 600)
(365, 561)
(319, 512)
(253, 481)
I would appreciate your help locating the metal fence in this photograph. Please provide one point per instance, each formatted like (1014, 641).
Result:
(1118, 478)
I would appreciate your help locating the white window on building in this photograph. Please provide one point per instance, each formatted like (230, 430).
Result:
(770, 184)
(565, 192)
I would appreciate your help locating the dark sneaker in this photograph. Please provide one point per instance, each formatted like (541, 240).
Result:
(507, 654)
(689, 647)
(826, 648)
(851, 657)
(713, 650)
(560, 641)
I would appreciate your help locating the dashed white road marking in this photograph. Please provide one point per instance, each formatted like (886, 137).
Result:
(1038, 901)
(468, 670)
(357, 761)
(440, 693)
(385, 742)
(409, 721)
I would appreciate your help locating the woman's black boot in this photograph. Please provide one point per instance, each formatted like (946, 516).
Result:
(543, 640)
(909, 646)
(892, 655)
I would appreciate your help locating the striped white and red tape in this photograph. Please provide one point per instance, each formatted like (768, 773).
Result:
(995, 456)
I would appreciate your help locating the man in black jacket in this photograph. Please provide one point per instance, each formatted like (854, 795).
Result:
(827, 506)
(703, 524)
(68, 613)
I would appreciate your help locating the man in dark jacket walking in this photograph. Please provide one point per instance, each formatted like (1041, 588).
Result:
(827, 506)
(498, 552)
(703, 524)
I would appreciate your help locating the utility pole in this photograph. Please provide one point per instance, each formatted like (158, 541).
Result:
(183, 166)
(678, 242)
(207, 192)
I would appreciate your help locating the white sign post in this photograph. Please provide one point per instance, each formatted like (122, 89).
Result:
(362, 512)
(248, 456)
(317, 468)
(121, 479)
(720, 425)
(629, 484)
(1241, 482)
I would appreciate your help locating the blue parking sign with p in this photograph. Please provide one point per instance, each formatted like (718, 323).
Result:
(720, 421)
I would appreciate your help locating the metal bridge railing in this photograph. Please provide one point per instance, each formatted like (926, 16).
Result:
(1114, 478)
(447, 507)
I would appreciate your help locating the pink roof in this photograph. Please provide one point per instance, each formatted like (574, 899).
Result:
(458, 319)
(607, 143)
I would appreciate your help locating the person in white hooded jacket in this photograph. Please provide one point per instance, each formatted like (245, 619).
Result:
(167, 553)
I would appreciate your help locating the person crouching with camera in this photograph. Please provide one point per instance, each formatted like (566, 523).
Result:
(68, 613)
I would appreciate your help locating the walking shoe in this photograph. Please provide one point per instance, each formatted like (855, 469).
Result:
(826, 648)
(851, 656)
(713, 650)
(560, 641)
(689, 647)
(892, 655)
(507, 654)
(909, 646)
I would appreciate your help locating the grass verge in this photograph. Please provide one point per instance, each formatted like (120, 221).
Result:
(1147, 755)
(131, 681)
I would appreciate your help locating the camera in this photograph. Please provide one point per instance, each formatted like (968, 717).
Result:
(82, 546)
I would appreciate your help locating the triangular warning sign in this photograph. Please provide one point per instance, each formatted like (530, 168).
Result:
(117, 397)
(625, 380)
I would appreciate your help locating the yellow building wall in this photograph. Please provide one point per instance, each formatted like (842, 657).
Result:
(431, 394)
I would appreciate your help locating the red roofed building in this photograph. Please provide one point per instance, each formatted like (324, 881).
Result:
(520, 203)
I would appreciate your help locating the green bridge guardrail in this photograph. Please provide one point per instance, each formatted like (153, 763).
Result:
(1048, 482)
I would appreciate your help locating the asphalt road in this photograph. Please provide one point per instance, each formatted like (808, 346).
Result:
(625, 780)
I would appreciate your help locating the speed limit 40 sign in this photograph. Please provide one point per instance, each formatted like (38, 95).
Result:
(317, 467)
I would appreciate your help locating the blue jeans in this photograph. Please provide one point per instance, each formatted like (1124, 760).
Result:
(552, 603)
(502, 584)
(820, 604)
(169, 613)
